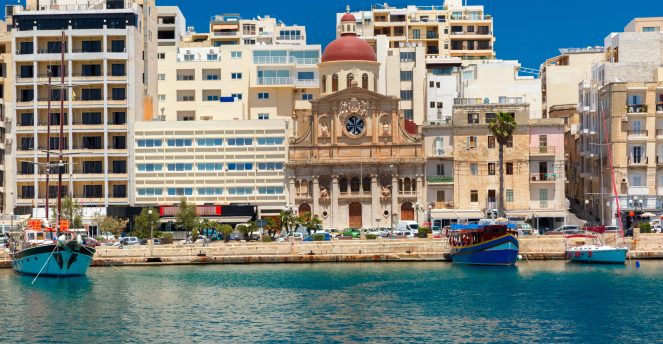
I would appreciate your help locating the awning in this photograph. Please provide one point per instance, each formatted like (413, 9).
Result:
(222, 219)
(224, 27)
(456, 214)
(528, 214)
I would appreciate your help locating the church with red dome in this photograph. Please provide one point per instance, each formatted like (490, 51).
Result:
(352, 161)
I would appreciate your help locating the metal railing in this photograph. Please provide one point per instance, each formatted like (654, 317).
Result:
(636, 108)
(542, 150)
(637, 160)
(543, 177)
(275, 81)
(440, 179)
(637, 133)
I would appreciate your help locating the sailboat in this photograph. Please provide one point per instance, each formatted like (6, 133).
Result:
(592, 248)
(42, 249)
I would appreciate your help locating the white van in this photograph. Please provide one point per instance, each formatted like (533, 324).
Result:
(408, 226)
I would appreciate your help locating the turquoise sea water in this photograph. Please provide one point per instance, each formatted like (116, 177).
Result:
(327, 303)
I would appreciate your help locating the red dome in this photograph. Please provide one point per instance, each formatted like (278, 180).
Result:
(348, 17)
(349, 48)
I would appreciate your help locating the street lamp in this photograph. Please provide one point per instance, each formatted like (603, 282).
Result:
(151, 225)
(430, 219)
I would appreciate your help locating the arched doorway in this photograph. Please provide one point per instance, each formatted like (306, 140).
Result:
(304, 208)
(354, 215)
(407, 212)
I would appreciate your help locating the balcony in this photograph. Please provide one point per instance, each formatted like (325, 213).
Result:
(542, 151)
(226, 33)
(444, 205)
(659, 107)
(276, 81)
(659, 160)
(637, 160)
(307, 83)
(636, 108)
(273, 60)
(440, 179)
(445, 152)
(543, 177)
(637, 134)
(355, 194)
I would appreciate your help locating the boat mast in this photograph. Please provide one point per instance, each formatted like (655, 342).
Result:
(61, 138)
(48, 142)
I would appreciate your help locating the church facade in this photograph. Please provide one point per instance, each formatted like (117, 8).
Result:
(354, 161)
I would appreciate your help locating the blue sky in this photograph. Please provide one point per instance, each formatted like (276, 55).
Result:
(527, 30)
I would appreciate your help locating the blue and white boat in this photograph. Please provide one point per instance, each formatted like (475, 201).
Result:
(578, 250)
(38, 253)
(484, 244)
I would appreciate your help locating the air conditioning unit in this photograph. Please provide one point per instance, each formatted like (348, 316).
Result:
(624, 119)
(8, 141)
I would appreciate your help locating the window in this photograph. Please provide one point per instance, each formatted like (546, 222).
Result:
(92, 191)
(212, 77)
(149, 143)
(406, 75)
(364, 81)
(239, 191)
(474, 169)
(406, 95)
(240, 141)
(150, 167)
(118, 46)
(440, 169)
(91, 118)
(334, 83)
(91, 46)
(306, 75)
(408, 114)
(651, 28)
(509, 142)
(263, 95)
(162, 77)
(180, 142)
(440, 196)
(474, 196)
(636, 180)
(209, 142)
(212, 97)
(210, 191)
(543, 143)
(543, 198)
(161, 56)
(270, 141)
(270, 190)
(491, 168)
(238, 96)
(210, 166)
(432, 105)
(270, 166)
(236, 76)
(491, 141)
(212, 57)
(408, 56)
(471, 142)
(307, 96)
(263, 116)
(490, 117)
(431, 84)
(240, 166)
(119, 94)
(150, 191)
(162, 97)
(236, 54)
(509, 168)
(509, 195)
(472, 118)
(180, 167)
(180, 191)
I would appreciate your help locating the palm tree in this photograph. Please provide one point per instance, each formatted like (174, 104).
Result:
(502, 128)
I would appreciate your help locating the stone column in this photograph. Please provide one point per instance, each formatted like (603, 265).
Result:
(335, 191)
(376, 209)
(420, 200)
(394, 199)
(291, 190)
(316, 196)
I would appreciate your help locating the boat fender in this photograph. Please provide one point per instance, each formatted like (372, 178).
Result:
(637, 264)
(79, 239)
(62, 239)
(520, 257)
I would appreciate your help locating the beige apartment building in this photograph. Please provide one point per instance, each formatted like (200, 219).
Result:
(211, 162)
(448, 30)
(107, 90)
(6, 91)
(462, 172)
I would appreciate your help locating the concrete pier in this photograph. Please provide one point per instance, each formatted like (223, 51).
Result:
(643, 246)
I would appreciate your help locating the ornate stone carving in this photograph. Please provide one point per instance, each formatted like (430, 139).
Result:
(324, 129)
(386, 127)
(354, 106)
(385, 193)
(324, 195)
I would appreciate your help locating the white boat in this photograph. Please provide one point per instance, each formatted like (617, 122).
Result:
(594, 252)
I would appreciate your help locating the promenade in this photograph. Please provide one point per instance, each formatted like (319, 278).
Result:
(643, 246)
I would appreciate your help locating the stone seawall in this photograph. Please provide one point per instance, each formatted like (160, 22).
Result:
(531, 248)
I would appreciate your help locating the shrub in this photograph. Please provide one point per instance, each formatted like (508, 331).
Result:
(318, 237)
(423, 232)
(167, 238)
(266, 238)
(371, 236)
(645, 227)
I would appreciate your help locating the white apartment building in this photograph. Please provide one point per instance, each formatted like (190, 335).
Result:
(106, 91)
(211, 162)
(6, 89)
(448, 30)
(171, 25)
(443, 88)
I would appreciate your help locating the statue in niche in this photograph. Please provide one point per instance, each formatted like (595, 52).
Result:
(324, 129)
(386, 127)
(386, 191)
(324, 193)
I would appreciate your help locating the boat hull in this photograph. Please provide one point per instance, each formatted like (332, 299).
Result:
(499, 251)
(53, 260)
(597, 255)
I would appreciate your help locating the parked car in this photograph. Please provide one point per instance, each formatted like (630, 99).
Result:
(107, 236)
(405, 234)
(146, 241)
(200, 239)
(334, 232)
(437, 234)
(127, 241)
(565, 230)
(523, 229)
(628, 232)
(325, 236)
(407, 226)
(296, 235)
(351, 233)
(91, 242)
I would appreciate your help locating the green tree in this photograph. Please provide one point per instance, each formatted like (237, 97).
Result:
(72, 211)
(273, 225)
(187, 217)
(312, 223)
(226, 230)
(502, 128)
(110, 224)
(288, 221)
(144, 222)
